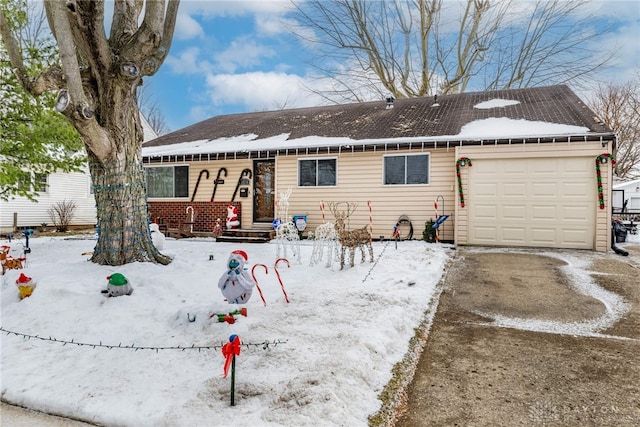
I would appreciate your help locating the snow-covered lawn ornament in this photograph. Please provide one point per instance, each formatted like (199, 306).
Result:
(236, 284)
(230, 350)
(156, 236)
(25, 285)
(118, 285)
(232, 217)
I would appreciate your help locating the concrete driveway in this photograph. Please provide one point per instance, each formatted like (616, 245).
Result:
(532, 338)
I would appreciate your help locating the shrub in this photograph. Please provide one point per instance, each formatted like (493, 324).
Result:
(61, 214)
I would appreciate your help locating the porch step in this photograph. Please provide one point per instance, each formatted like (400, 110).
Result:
(246, 236)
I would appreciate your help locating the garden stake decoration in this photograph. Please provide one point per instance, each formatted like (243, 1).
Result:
(253, 275)
(229, 317)
(275, 267)
(230, 350)
(462, 161)
(195, 190)
(218, 181)
(602, 158)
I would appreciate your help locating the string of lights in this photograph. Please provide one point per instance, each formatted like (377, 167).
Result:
(376, 263)
(266, 345)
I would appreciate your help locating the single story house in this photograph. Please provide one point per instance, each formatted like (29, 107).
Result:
(524, 167)
(22, 213)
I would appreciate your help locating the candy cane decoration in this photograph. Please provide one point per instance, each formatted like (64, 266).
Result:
(370, 221)
(275, 267)
(461, 161)
(435, 206)
(600, 159)
(266, 270)
(195, 190)
(322, 209)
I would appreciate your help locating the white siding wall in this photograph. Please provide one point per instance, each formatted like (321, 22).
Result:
(73, 186)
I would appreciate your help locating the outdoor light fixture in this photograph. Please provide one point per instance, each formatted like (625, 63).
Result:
(62, 101)
(637, 189)
(130, 69)
(463, 163)
(603, 160)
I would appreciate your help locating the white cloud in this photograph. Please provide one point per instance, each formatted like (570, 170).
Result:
(186, 62)
(260, 91)
(187, 28)
(243, 52)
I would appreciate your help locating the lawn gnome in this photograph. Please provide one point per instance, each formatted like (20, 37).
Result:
(236, 284)
(232, 217)
(217, 229)
(118, 285)
(25, 285)
(156, 236)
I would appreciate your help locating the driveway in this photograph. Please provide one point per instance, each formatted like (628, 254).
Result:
(532, 338)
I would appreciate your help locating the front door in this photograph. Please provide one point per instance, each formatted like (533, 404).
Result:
(264, 178)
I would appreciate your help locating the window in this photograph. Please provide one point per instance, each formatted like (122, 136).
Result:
(167, 181)
(409, 169)
(317, 172)
(41, 183)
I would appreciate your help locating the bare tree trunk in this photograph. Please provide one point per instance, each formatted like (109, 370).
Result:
(98, 95)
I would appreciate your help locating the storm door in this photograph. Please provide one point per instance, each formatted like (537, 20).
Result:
(264, 178)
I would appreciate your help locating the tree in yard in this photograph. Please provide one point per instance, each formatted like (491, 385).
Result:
(618, 106)
(36, 141)
(412, 48)
(97, 84)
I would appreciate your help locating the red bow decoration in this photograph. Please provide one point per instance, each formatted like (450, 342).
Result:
(229, 350)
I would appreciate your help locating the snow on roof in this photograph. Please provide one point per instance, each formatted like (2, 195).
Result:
(479, 129)
(495, 103)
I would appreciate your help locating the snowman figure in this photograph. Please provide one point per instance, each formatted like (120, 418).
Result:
(156, 236)
(118, 285)
(236, 284)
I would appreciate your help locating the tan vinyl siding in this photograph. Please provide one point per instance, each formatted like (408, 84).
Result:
(224, 192)
(360, 179)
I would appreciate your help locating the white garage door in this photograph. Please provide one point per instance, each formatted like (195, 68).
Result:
(539, 202)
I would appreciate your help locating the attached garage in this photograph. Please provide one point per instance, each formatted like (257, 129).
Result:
(532, 202)
(544, 195)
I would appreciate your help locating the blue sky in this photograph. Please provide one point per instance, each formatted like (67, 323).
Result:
(239, 56)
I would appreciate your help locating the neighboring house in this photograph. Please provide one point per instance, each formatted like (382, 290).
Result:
(626, 199)
(529, 176)
(22, 213)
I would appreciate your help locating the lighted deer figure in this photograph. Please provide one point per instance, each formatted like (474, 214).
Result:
(286, 231)
(324, 236)
(350, 238)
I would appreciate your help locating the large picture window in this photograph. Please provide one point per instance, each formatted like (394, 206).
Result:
(167, 181)
(408, 169)
(317, 172)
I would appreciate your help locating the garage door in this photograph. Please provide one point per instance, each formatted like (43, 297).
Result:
(539, 202)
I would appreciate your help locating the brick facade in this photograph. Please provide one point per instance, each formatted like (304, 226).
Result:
(205, 213)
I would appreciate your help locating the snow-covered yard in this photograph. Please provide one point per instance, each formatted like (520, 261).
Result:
(140, 360)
